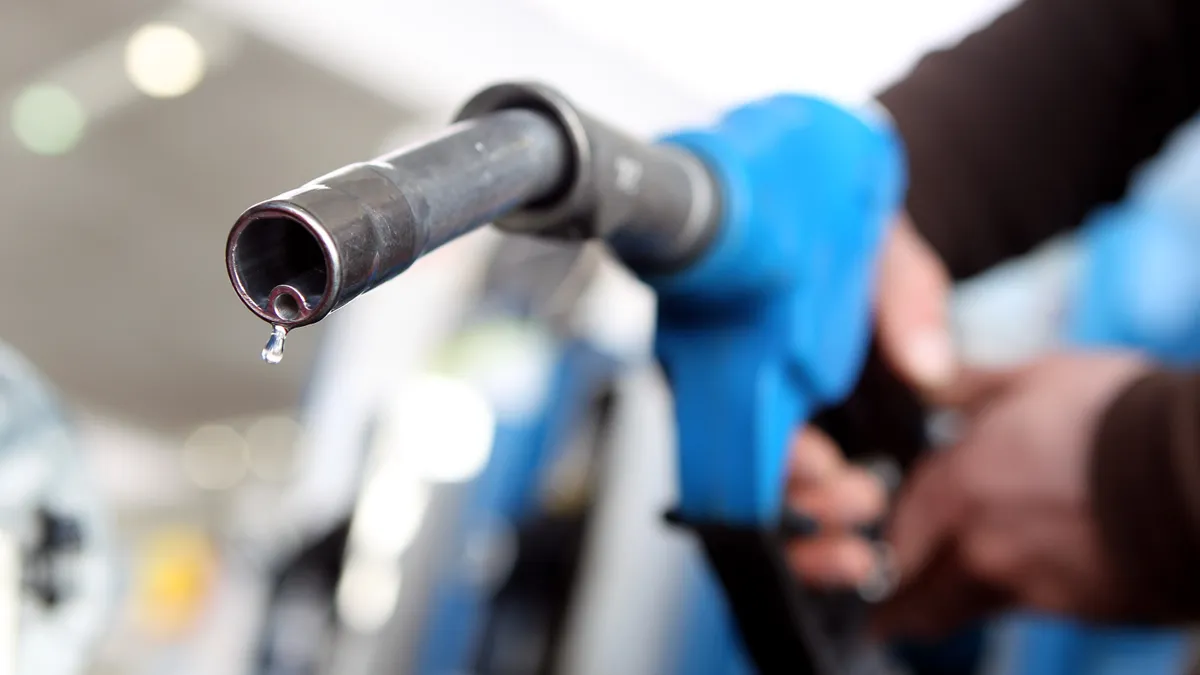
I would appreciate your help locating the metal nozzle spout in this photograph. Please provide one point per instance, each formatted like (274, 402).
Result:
(522, 156)
(297, 257)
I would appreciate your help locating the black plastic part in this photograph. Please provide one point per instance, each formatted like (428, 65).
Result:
(658, 206)
(797, 525)
(59, 536)
(526, 626)
(302, 585)
(883, 417)
(785, 628)
(524, 630)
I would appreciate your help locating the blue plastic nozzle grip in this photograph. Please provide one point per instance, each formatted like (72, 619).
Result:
(774, 320)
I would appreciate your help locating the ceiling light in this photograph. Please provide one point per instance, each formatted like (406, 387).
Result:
(164, 61)
(47, 119)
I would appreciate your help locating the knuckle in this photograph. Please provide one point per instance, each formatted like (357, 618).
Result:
(874, 491)
(829, 562)
(986, 560)
(858, 499)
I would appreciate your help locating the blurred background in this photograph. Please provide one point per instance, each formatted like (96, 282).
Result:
(135, 133)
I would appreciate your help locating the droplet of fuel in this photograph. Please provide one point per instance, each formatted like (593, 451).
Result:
(273, 352)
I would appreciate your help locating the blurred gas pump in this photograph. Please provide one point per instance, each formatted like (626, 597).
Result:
(57, 572)
(484, 536)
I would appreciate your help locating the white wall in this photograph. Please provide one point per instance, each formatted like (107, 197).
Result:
(738, 50)
(644, 63)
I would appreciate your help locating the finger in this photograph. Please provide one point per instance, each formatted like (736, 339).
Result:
(942, 599)
(852, 498)
(842, 561)
(912, 317)
(926, 515)
(973, 388)
(814, 459)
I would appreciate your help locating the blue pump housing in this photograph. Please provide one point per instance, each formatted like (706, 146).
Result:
(773, 322)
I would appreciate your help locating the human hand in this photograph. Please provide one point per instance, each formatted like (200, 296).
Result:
(914, 340)
(912, 317)
(841, 499)
(1003, 518)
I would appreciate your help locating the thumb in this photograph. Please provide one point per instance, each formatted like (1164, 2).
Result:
(913, 322)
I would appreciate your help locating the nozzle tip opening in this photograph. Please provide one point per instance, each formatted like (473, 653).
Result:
(282, 267)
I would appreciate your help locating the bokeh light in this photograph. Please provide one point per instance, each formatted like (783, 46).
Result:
(176, 572)
(164, 61)
(444, 424)
(272, 442)
(215, 457)
(389, 515)
(367, 593)
(48, 119)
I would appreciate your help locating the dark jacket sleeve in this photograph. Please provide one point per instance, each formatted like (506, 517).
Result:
(1017, 132)
(1014, 135)
(1146, 493)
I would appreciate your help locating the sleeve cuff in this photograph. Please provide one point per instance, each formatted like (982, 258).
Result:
(1145, 479)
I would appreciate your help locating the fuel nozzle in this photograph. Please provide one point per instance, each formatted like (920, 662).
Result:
(519, 155)
(297, 257)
